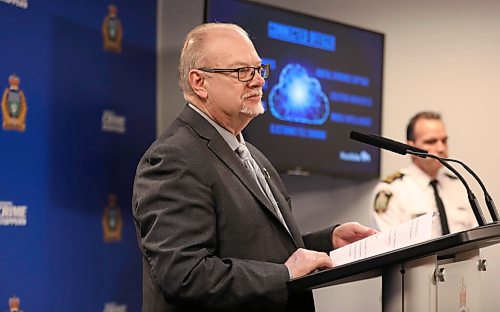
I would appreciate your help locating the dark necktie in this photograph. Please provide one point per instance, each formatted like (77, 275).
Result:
(258, 176)
(440, 206)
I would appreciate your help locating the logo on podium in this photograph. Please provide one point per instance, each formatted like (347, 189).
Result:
(463, 297)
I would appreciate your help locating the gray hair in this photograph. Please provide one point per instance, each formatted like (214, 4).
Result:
(193, 52)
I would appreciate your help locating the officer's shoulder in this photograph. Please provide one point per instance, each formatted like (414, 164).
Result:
(393, 177)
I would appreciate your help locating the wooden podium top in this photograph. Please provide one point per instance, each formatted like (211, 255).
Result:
(444, 247)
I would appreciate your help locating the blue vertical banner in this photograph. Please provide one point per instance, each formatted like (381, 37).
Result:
(78, 94)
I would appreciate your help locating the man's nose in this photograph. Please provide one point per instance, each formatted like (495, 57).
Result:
(257, 80)
(441, 146)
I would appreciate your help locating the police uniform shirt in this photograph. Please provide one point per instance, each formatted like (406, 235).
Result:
(408, 194)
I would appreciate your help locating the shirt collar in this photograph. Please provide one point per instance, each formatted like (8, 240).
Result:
(231, 139)
(420, 177)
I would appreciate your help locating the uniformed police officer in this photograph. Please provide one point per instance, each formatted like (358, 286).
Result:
(410, 192)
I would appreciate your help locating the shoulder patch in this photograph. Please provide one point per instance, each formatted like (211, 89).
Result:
(451, 176)
(382, 201)
(393, 177)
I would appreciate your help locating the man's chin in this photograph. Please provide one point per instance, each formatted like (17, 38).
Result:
(252, 110)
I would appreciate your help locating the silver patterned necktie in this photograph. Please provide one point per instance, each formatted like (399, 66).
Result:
(258, 176)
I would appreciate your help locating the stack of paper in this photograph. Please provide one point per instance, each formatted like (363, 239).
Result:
(412, 232)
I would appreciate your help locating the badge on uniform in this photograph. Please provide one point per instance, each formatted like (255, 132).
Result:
(382, 201)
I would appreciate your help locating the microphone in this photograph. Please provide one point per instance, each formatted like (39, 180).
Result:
(387, 144)
(404, 149)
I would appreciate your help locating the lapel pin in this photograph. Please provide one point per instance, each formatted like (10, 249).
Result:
(266, 173)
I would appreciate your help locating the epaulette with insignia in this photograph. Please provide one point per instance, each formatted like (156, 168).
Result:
(393, 177)
(451, 176)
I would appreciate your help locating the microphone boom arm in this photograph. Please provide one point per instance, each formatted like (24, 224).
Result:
(487, 198)
(472, 198)
(403, 149)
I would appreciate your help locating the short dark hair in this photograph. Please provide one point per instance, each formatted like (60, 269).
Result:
(410, 129)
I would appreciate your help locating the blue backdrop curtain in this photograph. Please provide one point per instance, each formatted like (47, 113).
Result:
(87, 73)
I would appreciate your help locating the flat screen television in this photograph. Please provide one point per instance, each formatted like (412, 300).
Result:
(326, 80)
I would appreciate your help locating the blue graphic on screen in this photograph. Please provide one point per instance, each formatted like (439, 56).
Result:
(297, 97)
(325, 81)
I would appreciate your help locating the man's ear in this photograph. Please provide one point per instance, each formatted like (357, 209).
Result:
(197, 82)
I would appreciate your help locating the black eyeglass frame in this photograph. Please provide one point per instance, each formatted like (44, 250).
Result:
(266, 68)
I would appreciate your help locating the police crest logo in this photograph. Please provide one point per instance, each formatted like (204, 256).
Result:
(381, 202)
(14, 107)
(14, 304)
(112, 221)
(112, 31)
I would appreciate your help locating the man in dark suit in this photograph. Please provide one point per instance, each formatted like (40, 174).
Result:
(214, 223)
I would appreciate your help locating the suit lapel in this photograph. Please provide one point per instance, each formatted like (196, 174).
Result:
(220, 148)
(284, 208)
(229, 157)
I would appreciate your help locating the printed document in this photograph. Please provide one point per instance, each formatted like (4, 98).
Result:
(405, 234)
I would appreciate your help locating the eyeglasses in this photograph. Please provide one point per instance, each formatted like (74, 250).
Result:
(245, 74)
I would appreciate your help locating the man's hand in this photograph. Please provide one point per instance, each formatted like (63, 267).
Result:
(304, 261)
(349, 233)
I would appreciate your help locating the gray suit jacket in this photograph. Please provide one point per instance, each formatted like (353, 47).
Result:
(210, 239)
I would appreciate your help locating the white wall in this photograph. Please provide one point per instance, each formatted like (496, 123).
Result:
(440, 55)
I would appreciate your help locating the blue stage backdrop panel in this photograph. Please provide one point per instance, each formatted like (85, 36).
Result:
(77, 85)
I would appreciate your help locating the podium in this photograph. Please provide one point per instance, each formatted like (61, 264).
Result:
(455, 272)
